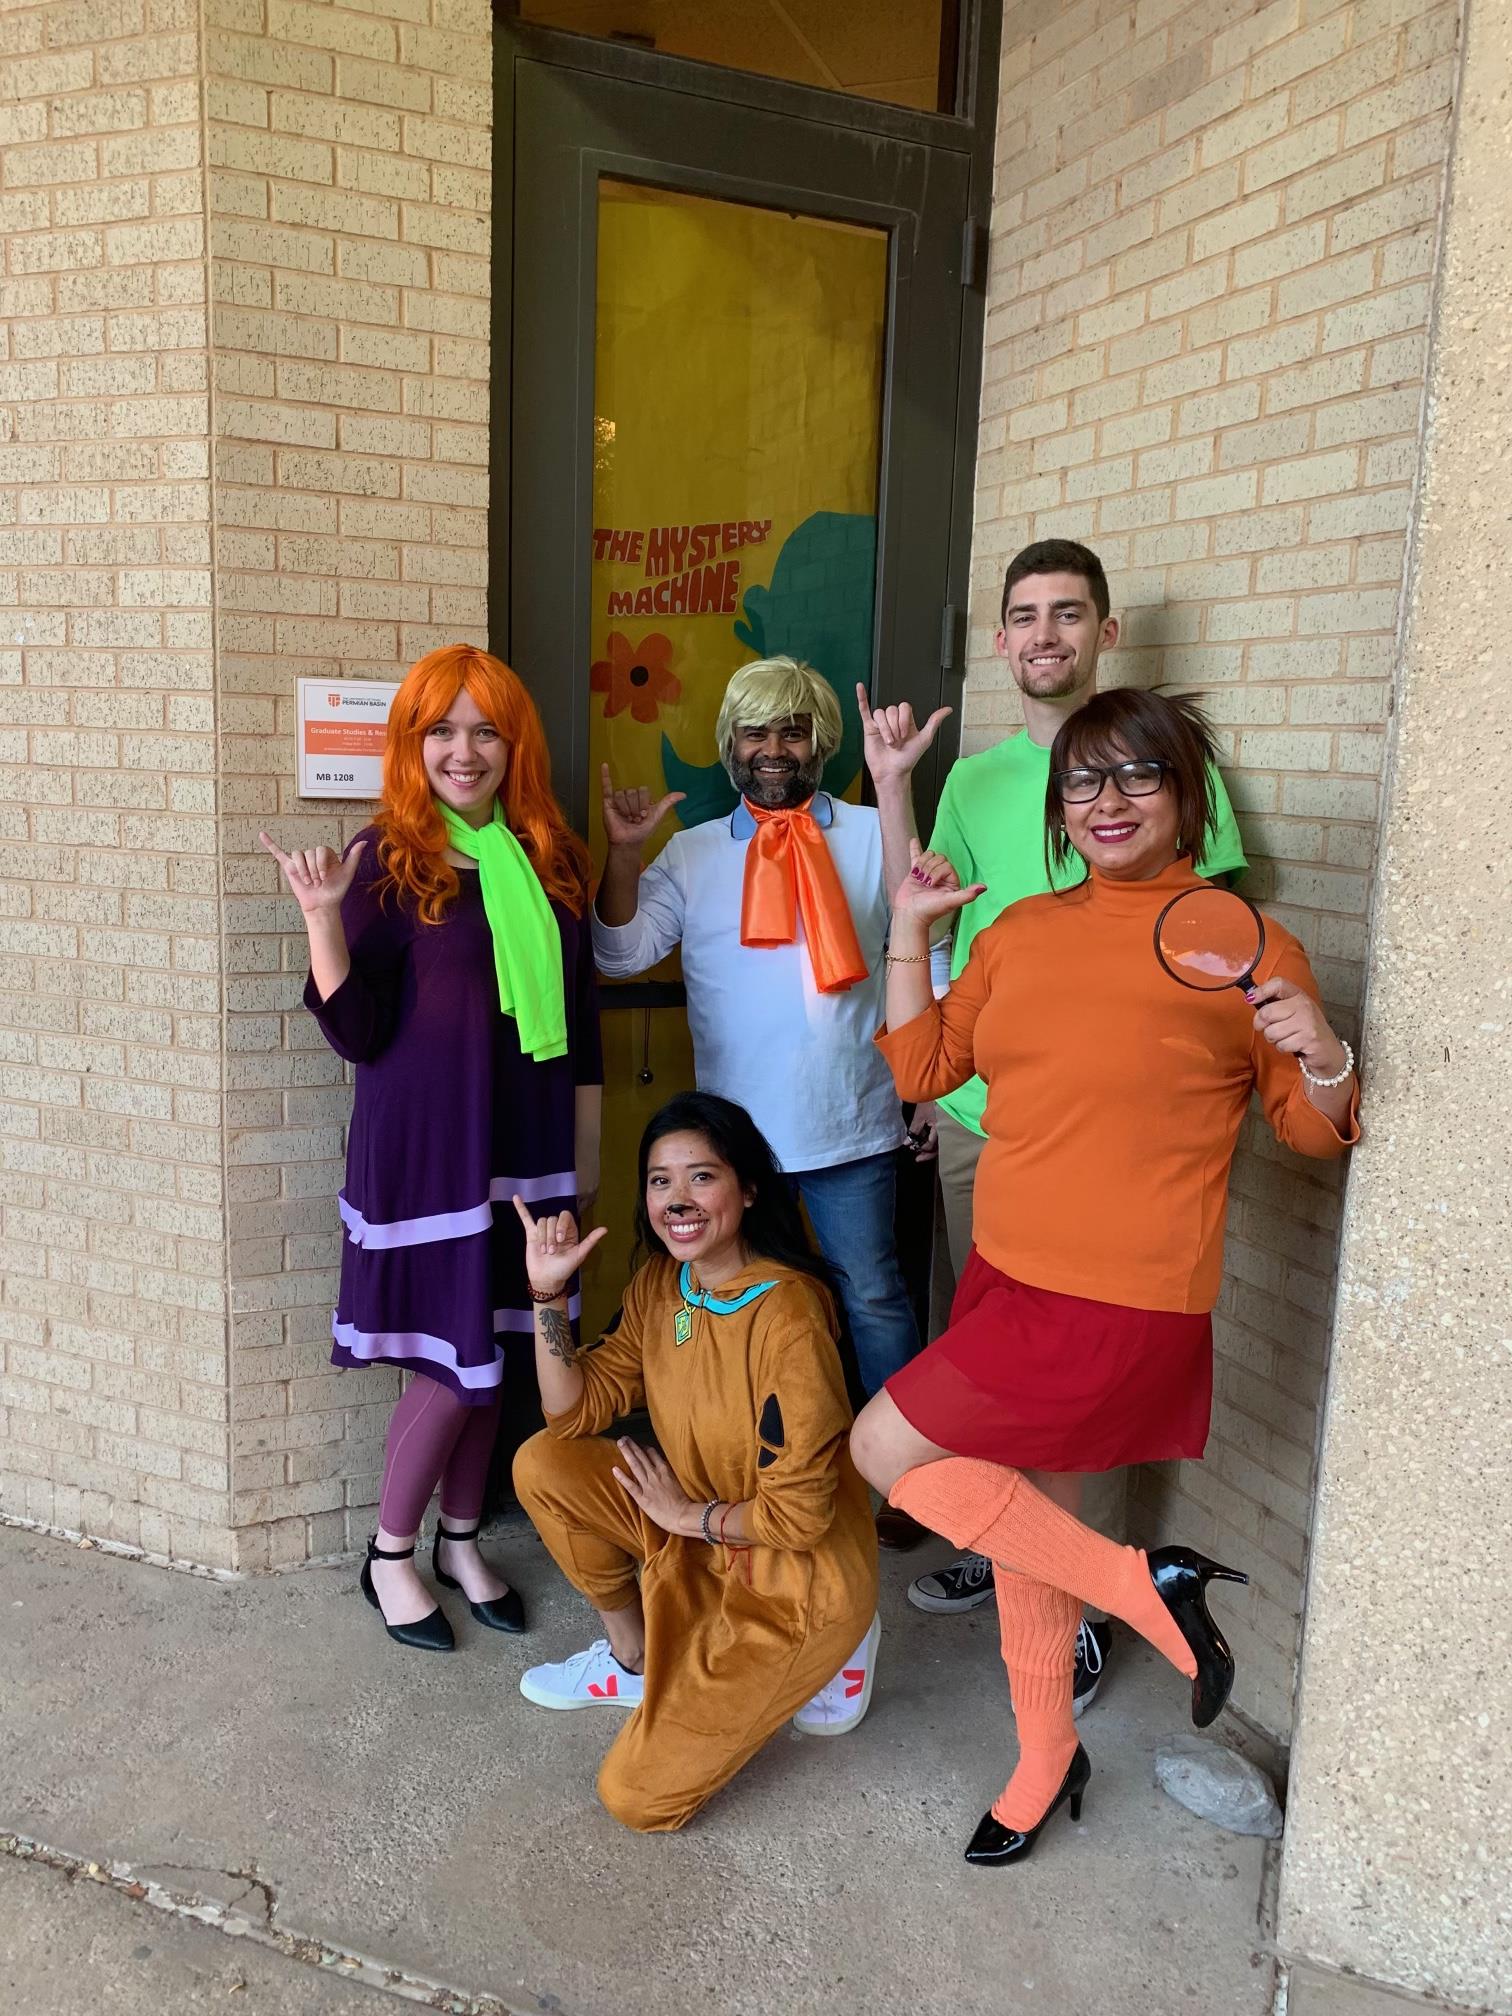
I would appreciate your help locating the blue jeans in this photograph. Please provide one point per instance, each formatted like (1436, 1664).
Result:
(851, 1210)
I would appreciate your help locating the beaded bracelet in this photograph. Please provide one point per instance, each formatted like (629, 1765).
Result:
(541, 1296)
(703, 1524)
(1325, 1084)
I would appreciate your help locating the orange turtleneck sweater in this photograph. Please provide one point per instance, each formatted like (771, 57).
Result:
(1114, 1095)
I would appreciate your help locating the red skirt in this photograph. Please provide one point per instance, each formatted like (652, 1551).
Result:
(1041, 1381)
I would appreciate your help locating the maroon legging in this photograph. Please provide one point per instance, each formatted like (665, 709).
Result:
(433, 1436)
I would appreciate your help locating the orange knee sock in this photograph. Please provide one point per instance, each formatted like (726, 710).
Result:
(1039, 1625)
(999, 1513)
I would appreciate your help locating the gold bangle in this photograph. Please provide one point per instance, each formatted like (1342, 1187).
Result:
(908, 958)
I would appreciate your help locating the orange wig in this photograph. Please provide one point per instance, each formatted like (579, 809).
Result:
(411, 837)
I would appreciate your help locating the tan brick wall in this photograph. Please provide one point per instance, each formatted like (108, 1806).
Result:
(349, 153)
(1213, 238)
(112, 1326)
(328, 432)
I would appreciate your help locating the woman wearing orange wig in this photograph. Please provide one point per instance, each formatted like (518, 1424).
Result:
(450, 962)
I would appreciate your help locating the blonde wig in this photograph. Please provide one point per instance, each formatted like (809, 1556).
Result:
(779, 689)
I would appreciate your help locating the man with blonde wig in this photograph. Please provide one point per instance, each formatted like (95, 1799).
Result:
(782, 915)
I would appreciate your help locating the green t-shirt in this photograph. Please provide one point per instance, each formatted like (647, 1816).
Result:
(991, 828)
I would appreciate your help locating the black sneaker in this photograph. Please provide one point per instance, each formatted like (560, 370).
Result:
(1092, 1643)
(964, 1585)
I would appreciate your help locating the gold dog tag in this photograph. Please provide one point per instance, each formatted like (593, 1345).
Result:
(682, 1325)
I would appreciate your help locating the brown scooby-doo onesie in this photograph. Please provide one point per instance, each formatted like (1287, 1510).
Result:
(747, 1399)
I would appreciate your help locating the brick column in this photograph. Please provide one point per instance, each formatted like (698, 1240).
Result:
(1398, 1856)
(350, 155)
(191, 515)
(113, 1403)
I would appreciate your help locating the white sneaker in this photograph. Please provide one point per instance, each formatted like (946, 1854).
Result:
(591, 1679)
(837, 1708)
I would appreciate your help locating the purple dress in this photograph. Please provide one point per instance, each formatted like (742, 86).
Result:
(450, 1121)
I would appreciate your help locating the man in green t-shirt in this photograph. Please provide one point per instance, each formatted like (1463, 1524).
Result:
(990, 825)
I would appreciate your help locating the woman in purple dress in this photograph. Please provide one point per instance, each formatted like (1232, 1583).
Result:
(450, 961)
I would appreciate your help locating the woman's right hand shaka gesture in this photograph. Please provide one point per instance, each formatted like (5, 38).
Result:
(318, 877)
(553, 1250)
(931, 889)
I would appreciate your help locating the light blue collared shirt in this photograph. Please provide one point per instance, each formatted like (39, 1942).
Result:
(821, 805)
(802, 1063)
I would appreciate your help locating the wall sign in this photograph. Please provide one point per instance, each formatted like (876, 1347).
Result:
(342, 727)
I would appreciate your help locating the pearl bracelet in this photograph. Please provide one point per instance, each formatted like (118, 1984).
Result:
(1325, 1084)
(703, 1524)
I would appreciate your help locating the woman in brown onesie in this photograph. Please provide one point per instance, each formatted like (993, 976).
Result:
(751, 1530)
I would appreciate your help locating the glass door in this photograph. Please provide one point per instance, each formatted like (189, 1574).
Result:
(735, 350)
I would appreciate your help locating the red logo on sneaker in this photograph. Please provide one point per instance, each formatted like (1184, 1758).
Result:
(609, 1692)
(855, 1679)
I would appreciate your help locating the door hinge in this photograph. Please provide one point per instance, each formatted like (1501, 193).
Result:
(948, 637)
(973, 253)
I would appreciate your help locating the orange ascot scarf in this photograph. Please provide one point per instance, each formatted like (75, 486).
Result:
(789, 874)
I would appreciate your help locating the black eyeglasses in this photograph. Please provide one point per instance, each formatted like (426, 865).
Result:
(1138, 779)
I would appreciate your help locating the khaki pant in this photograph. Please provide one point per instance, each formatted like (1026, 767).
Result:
(1105, 1493)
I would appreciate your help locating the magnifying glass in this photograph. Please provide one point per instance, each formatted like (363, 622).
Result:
(1210, 939)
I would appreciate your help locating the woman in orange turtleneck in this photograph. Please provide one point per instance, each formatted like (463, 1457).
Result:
(1080, 1338)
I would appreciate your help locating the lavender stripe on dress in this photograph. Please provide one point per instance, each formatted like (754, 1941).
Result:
(375, 1347)
(454, 1224)
(535, 1189)
(413, 1231)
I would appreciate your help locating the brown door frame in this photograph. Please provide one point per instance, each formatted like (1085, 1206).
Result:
(960, 145)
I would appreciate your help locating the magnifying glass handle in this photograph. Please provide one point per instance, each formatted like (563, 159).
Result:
(1246, 984)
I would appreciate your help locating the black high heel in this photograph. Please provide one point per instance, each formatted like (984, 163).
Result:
(1181, 1576)
(993, 1843)
(500, 1613)
(430, 1633)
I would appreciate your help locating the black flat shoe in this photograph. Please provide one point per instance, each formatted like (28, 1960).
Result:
(993, 1843)
(500, 1613)
(430, 1633)
(1181, 1576)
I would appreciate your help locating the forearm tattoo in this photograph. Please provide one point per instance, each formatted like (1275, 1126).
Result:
(556, 1328)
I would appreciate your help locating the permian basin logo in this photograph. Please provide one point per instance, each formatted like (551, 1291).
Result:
(358, 703)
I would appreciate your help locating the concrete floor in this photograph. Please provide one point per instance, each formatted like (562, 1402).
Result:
(62, 1940)
(263, 1740)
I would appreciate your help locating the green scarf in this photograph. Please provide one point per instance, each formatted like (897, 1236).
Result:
(527, 940)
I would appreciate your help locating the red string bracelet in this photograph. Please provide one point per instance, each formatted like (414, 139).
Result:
(734, 1546)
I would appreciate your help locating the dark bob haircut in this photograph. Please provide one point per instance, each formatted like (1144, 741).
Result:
(1127, 722)
(1059, 556)
(772, 1227)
